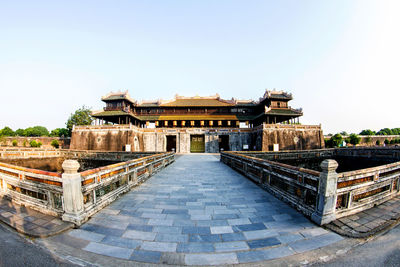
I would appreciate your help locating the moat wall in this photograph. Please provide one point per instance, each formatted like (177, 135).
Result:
(262, 138)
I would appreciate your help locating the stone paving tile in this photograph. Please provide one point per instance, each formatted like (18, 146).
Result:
(139, 235)
(121, 242)
(160, 222)
(102, 230)
(140, 227)
(224, 216)
(146, 256)
(86, 235)
(233, 237)
(212, 223)
(263, 255)
(231, 246)
(313, 232)
(205, 238)
(290, 238)
(250, 235)
(154, 215)
(180, 222)
(168, 229)
(250, 227)
(159, 246)
(221, 229)
(211, 259)
(171, 237)
(112, 251)
(193, 247)
(196, 230)
(315, 242)
(262, 243)
(239, 221)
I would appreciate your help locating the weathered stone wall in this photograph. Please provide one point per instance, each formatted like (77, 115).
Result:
(107, 139)
(24, 141)
(292, 137)
(114, 138)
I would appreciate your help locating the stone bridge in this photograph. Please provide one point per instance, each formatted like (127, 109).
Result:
(197, 211)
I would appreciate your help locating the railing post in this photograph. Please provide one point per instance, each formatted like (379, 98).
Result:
(72, 193)
(327, 193)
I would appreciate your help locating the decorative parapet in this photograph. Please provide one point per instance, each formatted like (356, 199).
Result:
(73, 195)
(298, 186)
(327, 195)
(9, 152)
(292, 126)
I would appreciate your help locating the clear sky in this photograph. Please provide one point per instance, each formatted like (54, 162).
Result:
(340, 59)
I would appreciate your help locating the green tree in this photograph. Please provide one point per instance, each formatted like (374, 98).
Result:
(354, 139)
(20, 132)
(336, 140)
(7, 131)
(367, 132)
(344, 133)
(396, 131)
(14, 142)
(36, 131)
(60, 132)
(385, 131)
(81, 116)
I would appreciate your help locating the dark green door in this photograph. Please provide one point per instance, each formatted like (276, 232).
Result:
(197, 144)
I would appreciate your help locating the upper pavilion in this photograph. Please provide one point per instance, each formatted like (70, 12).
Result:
(197, 111)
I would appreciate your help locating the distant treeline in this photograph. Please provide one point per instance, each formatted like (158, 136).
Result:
(35, 131)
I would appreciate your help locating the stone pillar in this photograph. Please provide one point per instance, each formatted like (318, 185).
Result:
(72, 193)
(327, 193)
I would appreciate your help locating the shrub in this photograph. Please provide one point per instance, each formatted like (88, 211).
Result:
(39, 144)
(24, 143)
(14, 142)
(336, 140)
(33, 143)
(386, 142)
(55, 143)
(378, 142)
(368, 140)
(354, 139)
(392, 142)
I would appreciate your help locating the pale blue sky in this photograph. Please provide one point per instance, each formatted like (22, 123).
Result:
(340, 59)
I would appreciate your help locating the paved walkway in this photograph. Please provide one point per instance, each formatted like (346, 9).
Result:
(368, 222)
(30, 222)
(198, 211)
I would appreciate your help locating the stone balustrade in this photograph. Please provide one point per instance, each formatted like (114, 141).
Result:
(75, 196)
(323, 195)
(10, 152)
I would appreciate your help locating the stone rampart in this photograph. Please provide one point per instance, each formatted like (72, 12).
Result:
(262, 138)
(292, 137)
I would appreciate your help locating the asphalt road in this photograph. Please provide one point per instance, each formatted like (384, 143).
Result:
(382, 251)
(19, 251)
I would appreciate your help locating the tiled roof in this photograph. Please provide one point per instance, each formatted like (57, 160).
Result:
(118, 96)
(186, 117)
(196, 102)
(112, 113)
(287, 112)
